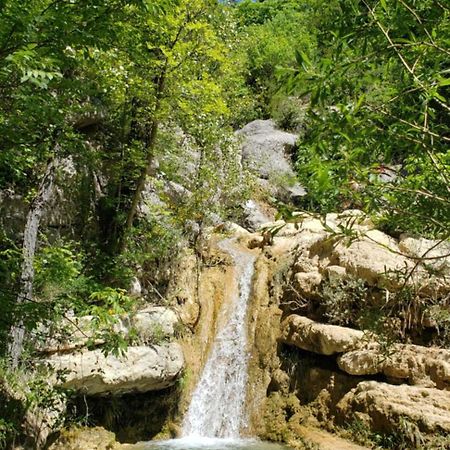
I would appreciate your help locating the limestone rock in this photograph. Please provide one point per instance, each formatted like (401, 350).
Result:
(256, 215)
(141, 369)
(265, 149)
(335, 273)
(418, 365)
(182, 289)
(428, 248)
(371, 259)
(153, 322)
(319, 338)
(386, 405)
(307, 283)
(303, 264)
(96, 438)
(234, 228)
(135, 289)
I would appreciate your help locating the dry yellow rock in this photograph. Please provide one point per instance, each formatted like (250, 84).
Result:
(385, 406)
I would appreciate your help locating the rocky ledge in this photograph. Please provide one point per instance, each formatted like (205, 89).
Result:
(140, 369)
(362, 336)
(153, 364)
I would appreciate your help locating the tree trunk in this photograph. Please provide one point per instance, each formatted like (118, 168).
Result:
(37, 208)
(150, 151)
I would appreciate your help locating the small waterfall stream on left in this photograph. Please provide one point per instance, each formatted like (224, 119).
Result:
(217, 415)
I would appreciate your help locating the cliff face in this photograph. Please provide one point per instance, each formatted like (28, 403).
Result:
(307, 370)
(384, 370)
(347, 326)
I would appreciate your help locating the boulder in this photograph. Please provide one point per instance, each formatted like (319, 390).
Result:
(374, 257)
(135, 288)
(335, 273)
(317, 337)
(95, 438)
(427, 248)
(150, 324)
(154, 321)
(140, 369)
(418, 365)
(265, 150)
(385, 407)
(256, 215)
(307, 283)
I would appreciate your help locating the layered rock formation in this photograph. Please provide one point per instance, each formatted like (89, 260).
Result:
(140, 369)
(153, 364)
(338, 269)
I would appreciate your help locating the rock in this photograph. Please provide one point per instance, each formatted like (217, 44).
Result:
(183, 289)
(361, 362)
(135, 289)
(372, 259)
(176, 192)
(151, 201)
(255, 216)
(307, 283)
(234, 228)
(303, 264)
(266, 149)
(387, 406)
(318, 338)
(62, 209)
(150, 324)
(418, 365)
(153, 320)
(141, 369)
(335, 273)
(13, 213)
(96, 438)
(428, 248)
(294, 192)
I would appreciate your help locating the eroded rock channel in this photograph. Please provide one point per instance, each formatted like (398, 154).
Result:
(306, 370)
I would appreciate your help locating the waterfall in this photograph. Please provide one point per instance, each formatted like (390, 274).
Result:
(217, 407)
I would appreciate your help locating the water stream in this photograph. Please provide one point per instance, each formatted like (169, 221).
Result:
(217, 414)
(217, 407)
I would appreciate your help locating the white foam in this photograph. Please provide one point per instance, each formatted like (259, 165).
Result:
(217, 408)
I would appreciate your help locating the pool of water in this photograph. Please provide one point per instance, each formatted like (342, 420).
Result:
(202, 443)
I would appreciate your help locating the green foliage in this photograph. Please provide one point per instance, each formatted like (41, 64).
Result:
(289, 113)
(273, 33)
(57, 271)
(406, 436)
(343, 300)
(26, 392)
(92, 82)
(379, 105)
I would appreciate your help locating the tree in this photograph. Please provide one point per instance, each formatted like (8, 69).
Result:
(94, 83)
(379, 103)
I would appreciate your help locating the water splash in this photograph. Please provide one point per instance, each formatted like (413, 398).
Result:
(217, 407)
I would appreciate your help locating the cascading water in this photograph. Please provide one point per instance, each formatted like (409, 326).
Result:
(217, 412)
(217, 407)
